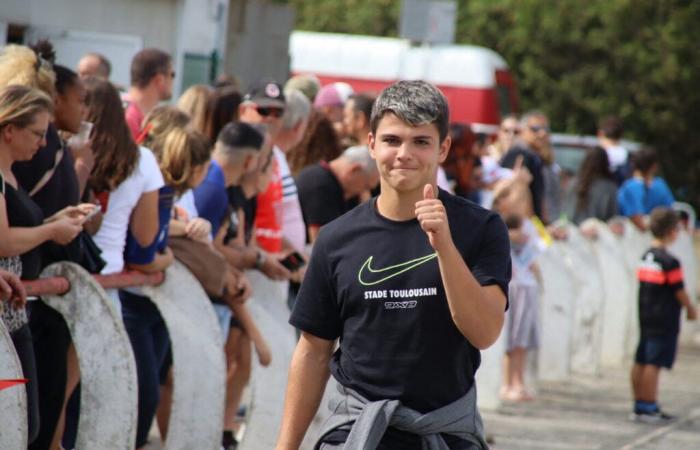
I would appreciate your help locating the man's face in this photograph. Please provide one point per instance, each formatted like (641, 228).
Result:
(249, 112)
(407, 156)
(164, 82)
(88, 66)
(536, 132)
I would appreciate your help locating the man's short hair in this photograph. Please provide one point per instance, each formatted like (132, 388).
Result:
(147, 64)
(662, 221)
(414, 102)
(532, 114)
(237, 137)
(362, 103)
(360, 154)
(611, 127)
(297, 109)
(644, 159)
(104, 67)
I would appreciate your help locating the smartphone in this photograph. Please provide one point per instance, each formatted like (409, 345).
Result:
(92, 213)
(294, 261)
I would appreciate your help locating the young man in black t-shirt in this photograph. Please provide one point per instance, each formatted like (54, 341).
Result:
(412, 283)
(661, 297)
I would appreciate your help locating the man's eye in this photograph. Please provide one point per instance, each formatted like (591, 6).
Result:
(391, 140)
(422, 142)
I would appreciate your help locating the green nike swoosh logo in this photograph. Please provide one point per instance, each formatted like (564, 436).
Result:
(366, 271)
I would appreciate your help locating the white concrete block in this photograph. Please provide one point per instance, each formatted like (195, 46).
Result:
(108, 402)
(587, 326)
(557, 307)
(199, 367)
(13, 400)
(617, 293)
(684, 250)
(490, 374)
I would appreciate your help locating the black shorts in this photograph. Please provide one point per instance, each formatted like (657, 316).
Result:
(657, 351)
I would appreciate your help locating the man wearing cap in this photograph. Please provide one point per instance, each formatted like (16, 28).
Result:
(330, 101)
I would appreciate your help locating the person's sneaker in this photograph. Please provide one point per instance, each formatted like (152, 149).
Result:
(655, 417)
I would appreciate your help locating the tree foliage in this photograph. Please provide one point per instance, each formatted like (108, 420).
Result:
(578, 61)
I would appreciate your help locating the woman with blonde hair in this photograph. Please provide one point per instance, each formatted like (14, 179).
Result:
(195, 102)
(24, 118)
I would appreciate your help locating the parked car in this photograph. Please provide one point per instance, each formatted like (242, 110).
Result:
(570, 149)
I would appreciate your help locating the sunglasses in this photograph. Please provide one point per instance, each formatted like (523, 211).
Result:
(538, 128)
(269, 111)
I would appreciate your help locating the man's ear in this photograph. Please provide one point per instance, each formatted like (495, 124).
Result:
(370, 144)
(444, 149)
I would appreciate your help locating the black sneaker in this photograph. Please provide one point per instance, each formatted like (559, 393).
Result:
(656, 417)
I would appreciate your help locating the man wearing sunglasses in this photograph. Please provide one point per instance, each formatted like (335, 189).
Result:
(534, 137)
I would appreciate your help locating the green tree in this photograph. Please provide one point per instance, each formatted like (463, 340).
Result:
(577, 61)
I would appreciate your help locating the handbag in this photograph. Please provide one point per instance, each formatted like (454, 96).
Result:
(206, 264)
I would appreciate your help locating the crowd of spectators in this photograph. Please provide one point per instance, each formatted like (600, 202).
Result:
(113, 180)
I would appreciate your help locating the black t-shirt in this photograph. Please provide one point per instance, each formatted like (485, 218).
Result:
(660, 277)
(320, 195)
(375, 284)
(23, 212)
(63, 188)
(534, 164)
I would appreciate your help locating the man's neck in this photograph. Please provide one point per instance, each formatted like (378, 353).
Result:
(659, 243)
(361, 137)
(146, 99)
(647, 178)
(336, 167)
(398, 206)
(231, 176)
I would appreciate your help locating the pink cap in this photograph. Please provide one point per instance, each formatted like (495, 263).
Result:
(328, 96)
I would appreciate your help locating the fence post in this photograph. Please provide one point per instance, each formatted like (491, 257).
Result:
(108, 400)
(199, 367)
(13, 400)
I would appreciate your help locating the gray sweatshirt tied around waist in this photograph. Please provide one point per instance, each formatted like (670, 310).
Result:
(367, 421)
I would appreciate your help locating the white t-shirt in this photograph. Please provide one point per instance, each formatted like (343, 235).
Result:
(186, 202)
(293, 228)
(111, 237)
(617, 155)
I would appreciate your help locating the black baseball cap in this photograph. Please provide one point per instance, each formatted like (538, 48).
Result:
(266, 92)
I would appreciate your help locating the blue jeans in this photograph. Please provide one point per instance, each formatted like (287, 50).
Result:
(150, 343)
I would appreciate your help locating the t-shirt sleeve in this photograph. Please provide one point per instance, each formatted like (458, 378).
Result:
(674, 274)
(666, 195)
(631, 199)
(316, 310)
(492, 259)
(153, 178)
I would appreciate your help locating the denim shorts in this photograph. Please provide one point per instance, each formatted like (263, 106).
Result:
(657, 350)
(223, 313)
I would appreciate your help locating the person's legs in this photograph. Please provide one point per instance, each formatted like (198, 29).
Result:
(635, 377)
(649, 383)
(22, 340)
(72, 380)
(165, 404)
(241, 376)
(149, 342)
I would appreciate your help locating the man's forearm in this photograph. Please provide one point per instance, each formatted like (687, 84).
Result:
(308, 375)
(476, 310)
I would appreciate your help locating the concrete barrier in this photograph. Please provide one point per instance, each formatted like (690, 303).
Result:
(557, 305)
(268, 306)
(617, 293)
(13, 400)
(685, 252)
(199, 367)
(108, 401)
(634, 243)
(490, 375)
(586, 340)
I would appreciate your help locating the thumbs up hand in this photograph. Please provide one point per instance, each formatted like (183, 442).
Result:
(432, 217)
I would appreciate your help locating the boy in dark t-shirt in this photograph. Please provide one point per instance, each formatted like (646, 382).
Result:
(412, 283)
(661, 297)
